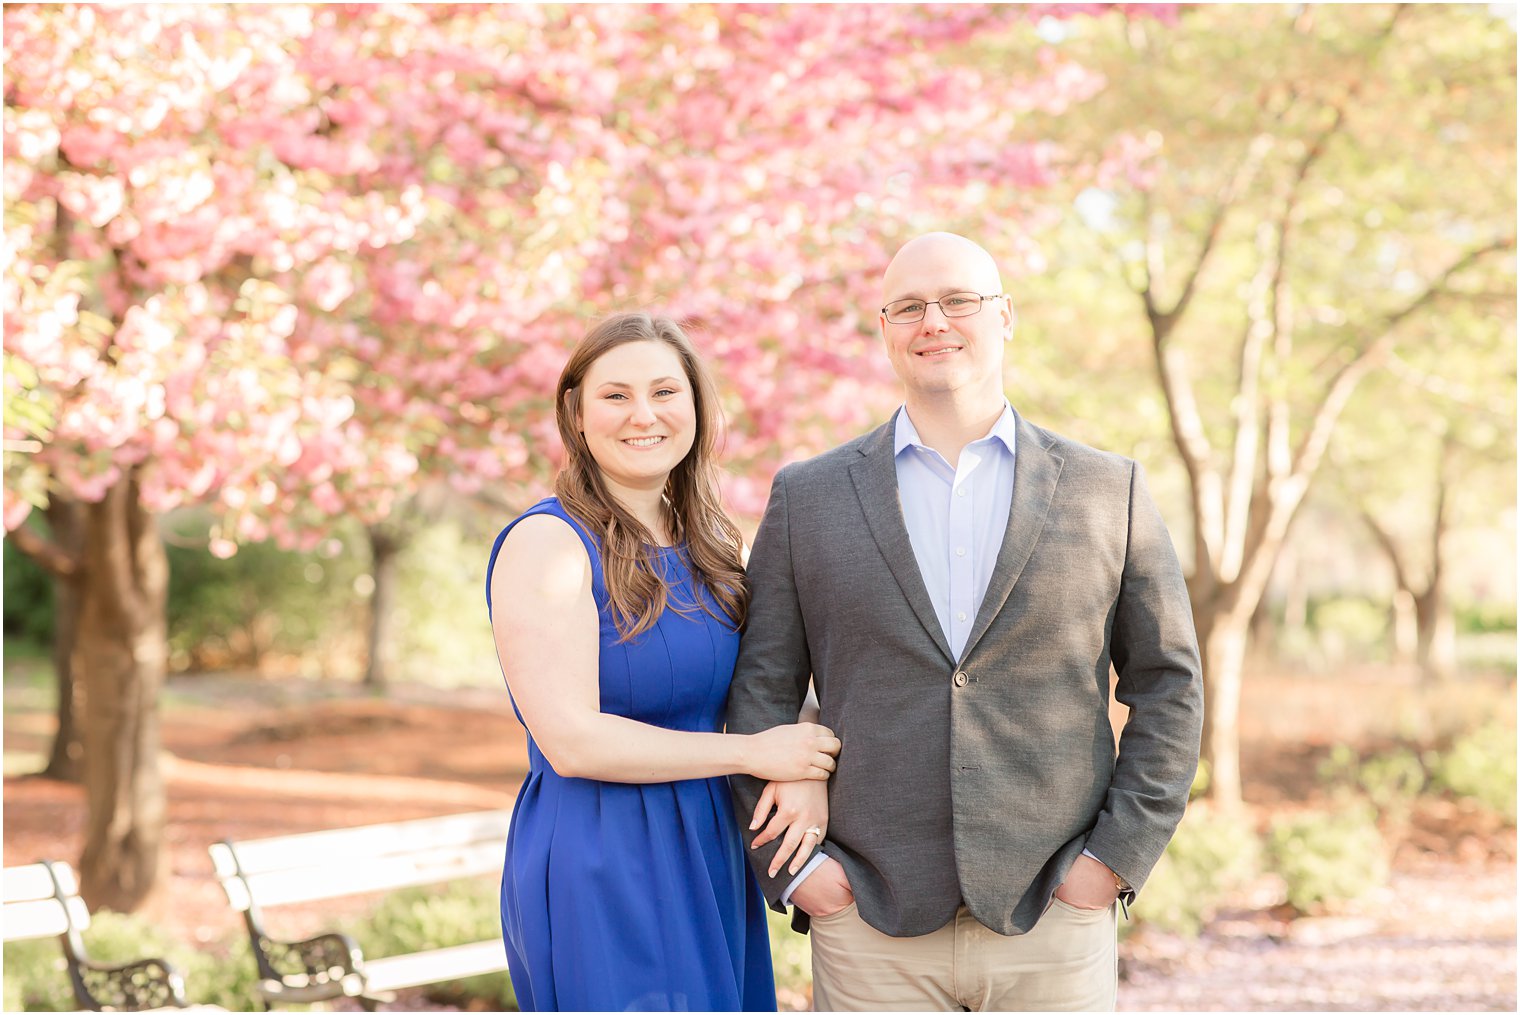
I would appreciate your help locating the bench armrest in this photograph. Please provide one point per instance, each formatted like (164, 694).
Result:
(315, 969)
(132, 986)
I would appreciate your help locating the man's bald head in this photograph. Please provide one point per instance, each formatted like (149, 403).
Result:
(932, 256)
(951, 359)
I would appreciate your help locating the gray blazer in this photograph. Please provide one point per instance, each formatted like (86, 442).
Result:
(979, 779)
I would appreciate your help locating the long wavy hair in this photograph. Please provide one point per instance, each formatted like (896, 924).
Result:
(693, 511)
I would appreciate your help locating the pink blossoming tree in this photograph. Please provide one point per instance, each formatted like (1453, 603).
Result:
(291, 262)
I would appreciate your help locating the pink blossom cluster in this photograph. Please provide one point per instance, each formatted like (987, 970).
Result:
(292, 261)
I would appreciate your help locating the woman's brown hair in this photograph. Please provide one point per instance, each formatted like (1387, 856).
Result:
(693, 511)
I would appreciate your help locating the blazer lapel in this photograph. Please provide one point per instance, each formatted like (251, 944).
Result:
(1036, 469)
(875, 477)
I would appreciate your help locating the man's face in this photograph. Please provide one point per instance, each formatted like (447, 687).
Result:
(940, 355)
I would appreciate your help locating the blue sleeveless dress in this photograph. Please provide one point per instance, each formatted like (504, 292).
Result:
(637, 897)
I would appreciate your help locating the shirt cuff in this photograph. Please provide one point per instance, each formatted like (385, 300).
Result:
(812, 865)
(1124, 885)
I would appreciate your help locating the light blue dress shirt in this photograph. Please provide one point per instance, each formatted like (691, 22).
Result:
(956, 517)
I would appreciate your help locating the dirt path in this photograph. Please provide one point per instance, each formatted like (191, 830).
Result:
(266, 760)
(1441, 937)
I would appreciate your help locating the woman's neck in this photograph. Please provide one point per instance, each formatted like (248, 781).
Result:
(646, 505)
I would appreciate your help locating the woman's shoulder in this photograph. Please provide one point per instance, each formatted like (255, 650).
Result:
(546, 525)
(543, 540)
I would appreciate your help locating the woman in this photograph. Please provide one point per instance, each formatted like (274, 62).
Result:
(616, 607)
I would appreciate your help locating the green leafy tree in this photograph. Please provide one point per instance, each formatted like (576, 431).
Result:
(1433, 453)
(1310, 191)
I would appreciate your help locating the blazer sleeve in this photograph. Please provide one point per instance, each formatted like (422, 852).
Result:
(772, 673)
(1155, 653)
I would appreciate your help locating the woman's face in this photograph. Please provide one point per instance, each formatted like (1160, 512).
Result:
(638, 413)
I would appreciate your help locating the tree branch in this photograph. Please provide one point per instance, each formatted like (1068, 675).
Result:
(47, 554)
(1306, 460)
(1193, 447)
(1444, 476)
(1247, 408)
(1390, 548)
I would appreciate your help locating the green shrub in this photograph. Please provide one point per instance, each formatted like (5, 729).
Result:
(1484, 618)
(1328, 857)
(792, 958)
(37, 978)
(440, 635)
(1213, 854)
(1339, 769)
(28, 598)
(1480, 765)
(225, 976)
(422, 918)
(1390, 780)
(1349, 627)
(260, 602)
(1201, 778)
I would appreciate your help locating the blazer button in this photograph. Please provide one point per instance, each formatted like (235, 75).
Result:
(960, 679)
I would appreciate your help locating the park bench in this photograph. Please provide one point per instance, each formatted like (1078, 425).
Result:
(288, 869)
(42, 900)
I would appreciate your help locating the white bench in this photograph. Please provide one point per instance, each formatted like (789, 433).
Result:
(42, 900)
(350, 861)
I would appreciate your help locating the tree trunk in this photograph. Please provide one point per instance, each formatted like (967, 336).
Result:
(1295, 602)
(1222, 637)
(384, 549)
(118, 660)
(1435, 635)
(1264, 628)
(1405, 628)
(66, 759)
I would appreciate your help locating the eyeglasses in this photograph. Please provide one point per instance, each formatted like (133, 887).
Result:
(953, 305)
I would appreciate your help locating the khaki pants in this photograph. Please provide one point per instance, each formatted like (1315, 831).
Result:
(1068, 962)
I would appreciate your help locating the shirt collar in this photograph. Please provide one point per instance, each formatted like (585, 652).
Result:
(905, 434)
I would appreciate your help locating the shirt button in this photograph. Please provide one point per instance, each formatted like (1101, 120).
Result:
(960, 491)
(961, 616)
(960, 551)
(960, 679)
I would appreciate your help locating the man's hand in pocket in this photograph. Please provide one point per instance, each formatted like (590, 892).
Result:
(825, 892)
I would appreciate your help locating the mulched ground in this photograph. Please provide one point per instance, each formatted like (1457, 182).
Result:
(249, 759)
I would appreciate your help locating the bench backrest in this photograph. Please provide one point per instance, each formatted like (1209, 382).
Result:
(348, 861)
(36, 906)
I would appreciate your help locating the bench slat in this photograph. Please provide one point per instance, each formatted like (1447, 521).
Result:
(26, 884)
(369, 875)
(43, 918)
(309, 848)
(32, 881)
(433, 967)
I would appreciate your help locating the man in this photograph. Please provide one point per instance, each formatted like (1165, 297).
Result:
(957, 584)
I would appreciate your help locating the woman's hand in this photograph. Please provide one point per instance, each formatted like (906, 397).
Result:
(788, 753)
(802, 812)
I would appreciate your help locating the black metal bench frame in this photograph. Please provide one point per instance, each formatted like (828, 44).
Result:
(36, 908)
(333, 864)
